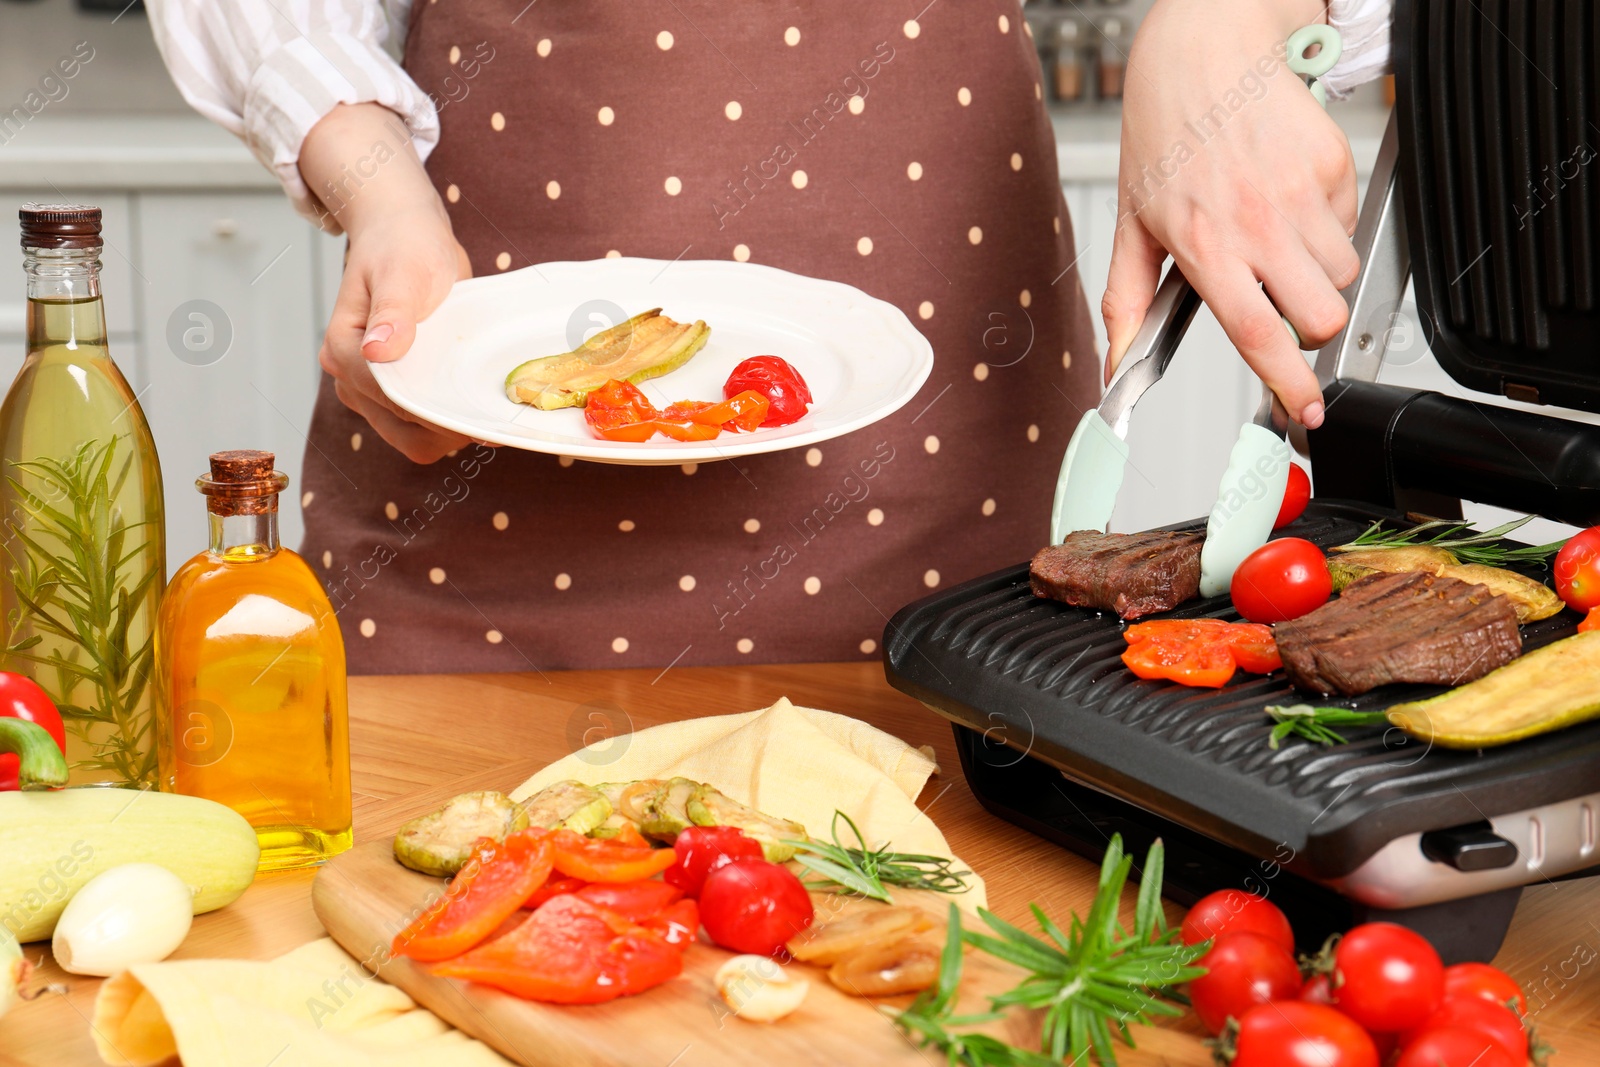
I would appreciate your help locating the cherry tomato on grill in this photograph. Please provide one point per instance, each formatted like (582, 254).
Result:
(702, 849)
(1453, 1047)
(1242, 970)
(1200, 652)
(20, 698)
(1482, 980)
(754, 906)
(1283, 579)
(1496, 1022)
(1293, 1033)
(1389, 977)
(1577, 570)
(1296, 495)
(786, 392)
(1233, 911)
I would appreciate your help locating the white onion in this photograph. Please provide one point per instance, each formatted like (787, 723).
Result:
(133, 913)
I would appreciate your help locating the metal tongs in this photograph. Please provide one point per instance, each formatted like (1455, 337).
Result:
(1251, 491)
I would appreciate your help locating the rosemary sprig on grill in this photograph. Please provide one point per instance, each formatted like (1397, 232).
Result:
(1315, 724)
(870, 872)
(1460, 539)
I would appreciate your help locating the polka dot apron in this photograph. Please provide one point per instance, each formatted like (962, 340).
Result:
(910, 158)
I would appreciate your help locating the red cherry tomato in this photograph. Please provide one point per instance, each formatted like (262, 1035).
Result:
(786, 392)
(1296, 495)
(1242, 970)
(753, 906)
(1577, 570)
(1293, 1033)
(702, 849)
(1390, 978)
(1451, 1047)
(1283, 579)
(1482, 980)
(20, 698)
(1496, 1022)
(1233, 911)
(1318, 990)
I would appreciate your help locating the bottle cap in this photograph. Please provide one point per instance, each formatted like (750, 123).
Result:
(242, 482)
(60, 226)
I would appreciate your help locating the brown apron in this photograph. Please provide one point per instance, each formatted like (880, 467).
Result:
(832, 138)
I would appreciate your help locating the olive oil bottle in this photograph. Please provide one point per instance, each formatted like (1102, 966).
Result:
(81, 523)
(251, 675)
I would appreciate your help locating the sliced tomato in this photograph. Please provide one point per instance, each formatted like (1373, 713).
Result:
(678, 925)
(554, 887)
(1200, 652)
(570, 952)
(742, 411)
(484, 893)
(687, 410)
(1254, 648)
(602, 861)
(635, 901)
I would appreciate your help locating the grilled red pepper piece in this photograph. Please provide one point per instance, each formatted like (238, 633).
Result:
(635, 901)
(570, 952)
(601, 861)
(484, 893)
(553, 887)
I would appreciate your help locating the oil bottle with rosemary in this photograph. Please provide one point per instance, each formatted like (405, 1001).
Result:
(82, 551)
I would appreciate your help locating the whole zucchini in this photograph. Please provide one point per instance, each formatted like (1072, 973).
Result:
(51, 843)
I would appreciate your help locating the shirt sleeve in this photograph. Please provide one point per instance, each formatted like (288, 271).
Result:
(1364, 26)
(269, 72)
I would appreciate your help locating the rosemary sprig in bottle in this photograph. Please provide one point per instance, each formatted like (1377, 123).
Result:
(870, 871)
(80, 586)
(1460, 539)
(1315, 724)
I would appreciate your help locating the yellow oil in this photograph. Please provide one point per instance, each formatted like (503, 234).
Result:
(71, 631)
(253, 706)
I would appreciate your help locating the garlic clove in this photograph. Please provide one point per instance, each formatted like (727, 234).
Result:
(128, 914)
(13, 970)
(759, 990)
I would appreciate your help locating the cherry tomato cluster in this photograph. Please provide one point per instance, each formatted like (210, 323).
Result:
(746, 903)
(1379, 994)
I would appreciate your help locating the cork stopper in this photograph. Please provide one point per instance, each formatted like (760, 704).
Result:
(242, 482)
(60, 225)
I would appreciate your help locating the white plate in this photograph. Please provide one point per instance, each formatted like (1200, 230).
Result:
(861, 357)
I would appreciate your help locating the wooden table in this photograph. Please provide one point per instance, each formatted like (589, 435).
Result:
(416, 741)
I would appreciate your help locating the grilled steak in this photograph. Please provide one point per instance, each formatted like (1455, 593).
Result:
(1131, 574)
(1399, 628)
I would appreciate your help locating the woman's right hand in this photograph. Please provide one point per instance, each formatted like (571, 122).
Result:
(403, 259)
(1262, 190)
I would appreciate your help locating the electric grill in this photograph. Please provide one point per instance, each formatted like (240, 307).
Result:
(1496, 104)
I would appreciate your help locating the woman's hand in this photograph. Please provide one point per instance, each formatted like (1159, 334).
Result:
(402, 261)
(1229, 164)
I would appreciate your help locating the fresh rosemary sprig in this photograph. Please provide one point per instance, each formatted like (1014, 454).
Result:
(1314, 724)
(869, 871)
(83, 579)
(929, 1020)
(1096, 978)
(1459, 538)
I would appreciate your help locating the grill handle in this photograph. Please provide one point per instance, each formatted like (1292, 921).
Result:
(1414, 449)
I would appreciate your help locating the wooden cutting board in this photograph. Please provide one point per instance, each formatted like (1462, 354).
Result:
(364, 898)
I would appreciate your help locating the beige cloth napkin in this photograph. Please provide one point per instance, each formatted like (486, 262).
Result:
(788, 761)
(316, 1007)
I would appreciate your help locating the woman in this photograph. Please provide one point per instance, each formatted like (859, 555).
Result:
(910, 157)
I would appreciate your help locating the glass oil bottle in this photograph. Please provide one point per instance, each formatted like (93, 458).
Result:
(251, 675)
(82, 550)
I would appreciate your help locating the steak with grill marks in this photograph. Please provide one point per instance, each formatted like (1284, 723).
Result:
(1399, 628)
(1131, 574)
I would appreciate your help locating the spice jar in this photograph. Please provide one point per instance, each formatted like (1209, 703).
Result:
(1069, 73)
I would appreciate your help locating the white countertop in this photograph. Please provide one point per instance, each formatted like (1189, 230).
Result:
(187, 152)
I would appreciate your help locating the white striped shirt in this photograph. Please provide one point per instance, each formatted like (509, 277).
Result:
(269, 70)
